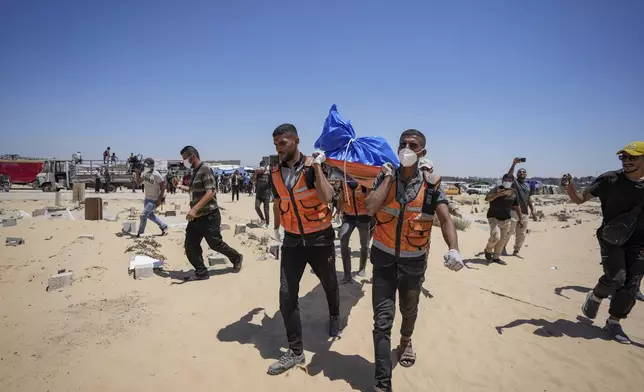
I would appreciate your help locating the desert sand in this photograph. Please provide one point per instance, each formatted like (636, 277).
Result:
(486, 328)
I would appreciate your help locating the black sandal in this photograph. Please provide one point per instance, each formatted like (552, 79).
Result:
(407, 356)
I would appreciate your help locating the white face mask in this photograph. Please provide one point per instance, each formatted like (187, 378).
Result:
(407, 157)
(186, 163)
(507, 185)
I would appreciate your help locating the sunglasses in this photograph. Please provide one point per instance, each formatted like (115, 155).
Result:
(521, 172)
(628, 158)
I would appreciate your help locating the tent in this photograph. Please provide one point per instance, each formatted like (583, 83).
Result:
(357, 157)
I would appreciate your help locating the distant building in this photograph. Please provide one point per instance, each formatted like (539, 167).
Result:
(233, 162)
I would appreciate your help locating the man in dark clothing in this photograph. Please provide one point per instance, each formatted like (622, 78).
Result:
(263, 193)
(503, 200)
(302, 194)
(620, 192)
(351, 205)
(235, 183)
(522, 189)
(204, 218)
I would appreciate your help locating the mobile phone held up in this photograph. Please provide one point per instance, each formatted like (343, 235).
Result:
(522, 159)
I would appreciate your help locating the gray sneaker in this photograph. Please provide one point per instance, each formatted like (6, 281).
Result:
(286, 362)
(590, 306)
(616, 332)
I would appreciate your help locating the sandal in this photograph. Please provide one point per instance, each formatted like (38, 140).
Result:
(408, 356)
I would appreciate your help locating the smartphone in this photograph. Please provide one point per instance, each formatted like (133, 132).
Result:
(522, 159)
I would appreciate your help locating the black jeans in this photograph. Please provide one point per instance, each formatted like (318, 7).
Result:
(266, 200)
(97, 185)
(207, 227)
(292, 265)
(349, 223)
(623, 271)
(390, 274)
(236, 192)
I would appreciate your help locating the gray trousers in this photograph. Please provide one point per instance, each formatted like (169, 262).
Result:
(350, 223)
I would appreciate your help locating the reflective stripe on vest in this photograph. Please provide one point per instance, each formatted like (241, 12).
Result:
(301, 211)
(405, 233)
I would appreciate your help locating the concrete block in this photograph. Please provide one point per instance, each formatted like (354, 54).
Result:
(275, 251)
(224, 226)
(13, 241)
(143, 271)
(128, 227)
(59, 281)
(171, 213)
(240, 229)
(212, 261)
(38, 212)
(9, 222)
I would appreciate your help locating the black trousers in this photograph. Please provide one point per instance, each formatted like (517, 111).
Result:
(97, 185)
(623, 271)
(209, 228)
(236, 192)
(266, 200)
(292, 265)
(406, 276)
(350, 223)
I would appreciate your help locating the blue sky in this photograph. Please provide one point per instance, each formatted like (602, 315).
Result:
(560, 82)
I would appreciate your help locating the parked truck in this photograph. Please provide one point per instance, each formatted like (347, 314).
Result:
(20, 171)
(62, 174)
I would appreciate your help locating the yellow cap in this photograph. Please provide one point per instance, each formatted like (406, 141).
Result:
(635, 149)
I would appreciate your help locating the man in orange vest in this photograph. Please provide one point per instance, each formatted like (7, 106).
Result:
(354, 215)
(302, 195)
(404, 202)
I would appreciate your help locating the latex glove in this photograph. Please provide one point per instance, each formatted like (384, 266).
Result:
(387, 169)
(276, 235)
(318, 157)
(425, 163)
(453, 260)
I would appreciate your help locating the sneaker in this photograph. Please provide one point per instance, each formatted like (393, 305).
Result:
(489, 255)
(515, 253)
(499, 261)
(504, 253)
(616, 332)
(590, 306)
(195, 278)
(238, 265)
(347, 278)
(639, 296)
(334, 326)
(164, 231)
(362, 273)
(286, 362)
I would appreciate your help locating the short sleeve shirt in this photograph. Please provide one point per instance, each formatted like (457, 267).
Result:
(523, 194)
(203, 181)
(152, 181)
(501, 207)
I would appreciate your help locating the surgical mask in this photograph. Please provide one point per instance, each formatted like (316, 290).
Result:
(187, 163)
(507, 184)
(407, 157)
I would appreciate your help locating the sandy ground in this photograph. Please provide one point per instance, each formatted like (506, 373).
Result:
(488, 328)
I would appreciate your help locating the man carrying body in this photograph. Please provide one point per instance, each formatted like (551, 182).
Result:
(154, 190)
(354, 215)
(263, 193)
(302, 194)
(404, 203)
(522, 190)
(620, 192)
(503, 200)
(204, 218)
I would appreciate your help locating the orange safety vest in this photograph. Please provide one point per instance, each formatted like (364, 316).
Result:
(405, 230)
(301, 212)
(354, 205)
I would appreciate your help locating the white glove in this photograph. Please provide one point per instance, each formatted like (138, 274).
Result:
(453, 260)
(318, 157)
(276, 235)
(425, 163)
(387, 169)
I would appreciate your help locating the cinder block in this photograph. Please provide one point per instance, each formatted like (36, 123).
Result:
(216, 260)
(240, 229)
(13, 241)
(128, 227)
(224, 226)
(171, 213)
(143, 271)
(38, 212)
(275, 251)
(9, 222)
(59, 281)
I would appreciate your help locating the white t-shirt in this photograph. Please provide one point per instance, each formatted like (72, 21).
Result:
(152, 181)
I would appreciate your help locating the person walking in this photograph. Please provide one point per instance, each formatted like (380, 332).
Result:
(523, 191)
(204, 217)
(263, 194)
(620, 236)
(302, 194)
(354, 215)
(404, 202)
(235, 182)
(503, 200)
(154, 190)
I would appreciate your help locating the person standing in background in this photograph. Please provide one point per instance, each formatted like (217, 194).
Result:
(97, 180)
(154, 190)
(354, 215)
(503, 200)
(106, 155)
(235, 183)
(114, 158)
(263, 193)
(523, 193)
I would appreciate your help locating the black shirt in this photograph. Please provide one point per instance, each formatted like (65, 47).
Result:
(501, 207)
(523, 194)
(618, 195)
(321, 238)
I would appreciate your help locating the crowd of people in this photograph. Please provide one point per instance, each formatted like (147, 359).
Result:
(396, 215)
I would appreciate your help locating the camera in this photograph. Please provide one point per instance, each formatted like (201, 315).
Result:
(522, 159)
(566, 179)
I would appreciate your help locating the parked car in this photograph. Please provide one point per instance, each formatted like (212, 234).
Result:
(478, 189)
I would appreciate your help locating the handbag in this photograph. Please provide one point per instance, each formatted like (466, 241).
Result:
(621, 228)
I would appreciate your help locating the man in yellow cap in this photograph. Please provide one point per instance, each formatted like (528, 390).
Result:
(621, 237)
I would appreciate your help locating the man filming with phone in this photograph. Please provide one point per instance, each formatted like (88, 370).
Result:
(523, 196)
